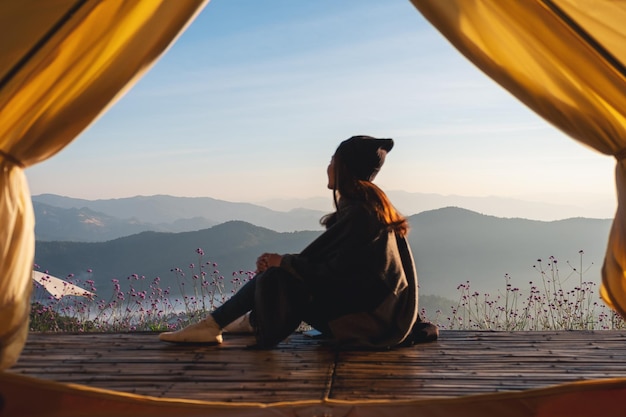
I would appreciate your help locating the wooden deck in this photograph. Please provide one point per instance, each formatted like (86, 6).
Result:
(460, 363)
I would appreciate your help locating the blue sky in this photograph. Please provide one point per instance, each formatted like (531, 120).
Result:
(255, 96)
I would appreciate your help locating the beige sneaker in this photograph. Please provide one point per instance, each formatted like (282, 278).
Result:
(205, 331)
(241, 325)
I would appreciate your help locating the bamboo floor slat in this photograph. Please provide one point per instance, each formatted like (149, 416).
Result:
(459, 363)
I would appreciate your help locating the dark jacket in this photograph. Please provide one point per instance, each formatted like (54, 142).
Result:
(361, 279)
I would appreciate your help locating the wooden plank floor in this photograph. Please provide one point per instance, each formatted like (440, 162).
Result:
(460, 363)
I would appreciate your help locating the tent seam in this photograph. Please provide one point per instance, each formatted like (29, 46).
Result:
(582, 33)
(45, 38)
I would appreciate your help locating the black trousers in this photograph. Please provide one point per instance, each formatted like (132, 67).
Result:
(236, 306)
(278, 303)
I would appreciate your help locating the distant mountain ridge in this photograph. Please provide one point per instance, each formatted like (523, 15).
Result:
(413, 203)
(86, 225)
(233, 245)
(451, 246)
(72, 219)
(457, 245)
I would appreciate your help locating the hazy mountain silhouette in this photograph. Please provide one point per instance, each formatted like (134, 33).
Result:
(72, 219)
(450, 245)
(453, 245)
(234, 246)
(412, 203)
(589, 207)
(86, 225)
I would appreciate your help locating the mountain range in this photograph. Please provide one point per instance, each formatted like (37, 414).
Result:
(534, 208)
(451, 245)
(73, 219)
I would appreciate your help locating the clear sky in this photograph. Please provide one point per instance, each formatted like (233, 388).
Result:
(255, 96)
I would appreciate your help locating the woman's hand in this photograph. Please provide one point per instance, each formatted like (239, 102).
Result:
(267, 260)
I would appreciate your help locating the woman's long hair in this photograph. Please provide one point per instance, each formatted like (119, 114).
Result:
(366, 192)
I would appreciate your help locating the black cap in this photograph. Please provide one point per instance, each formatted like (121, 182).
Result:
(364, 155)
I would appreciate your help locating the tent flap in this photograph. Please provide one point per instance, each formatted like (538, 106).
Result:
(62, 64)
(565, 61)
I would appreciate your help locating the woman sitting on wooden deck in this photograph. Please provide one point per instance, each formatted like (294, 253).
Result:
(356, 283)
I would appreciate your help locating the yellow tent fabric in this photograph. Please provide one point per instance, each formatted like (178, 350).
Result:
(566, 60)
(62, 63)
